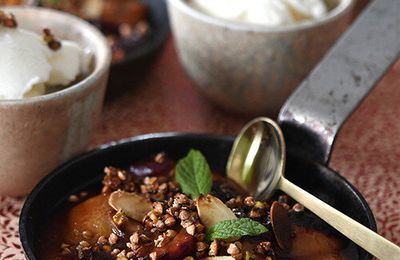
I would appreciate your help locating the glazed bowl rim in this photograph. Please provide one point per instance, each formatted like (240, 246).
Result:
(343, 7)
(101, 55)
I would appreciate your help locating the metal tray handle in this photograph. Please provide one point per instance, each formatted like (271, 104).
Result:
(314, 113)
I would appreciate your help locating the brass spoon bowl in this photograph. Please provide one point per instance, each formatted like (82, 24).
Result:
(257, 163)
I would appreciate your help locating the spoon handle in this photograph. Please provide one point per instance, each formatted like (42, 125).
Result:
(359, 234)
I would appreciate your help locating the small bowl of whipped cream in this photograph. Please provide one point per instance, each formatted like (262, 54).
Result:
(53, 75)
(248, 56)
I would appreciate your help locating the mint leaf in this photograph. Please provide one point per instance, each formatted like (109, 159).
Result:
(193, 174)
(235, 228)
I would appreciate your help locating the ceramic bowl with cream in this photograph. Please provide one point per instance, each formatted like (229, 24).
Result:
(248, 56)
(54, 75)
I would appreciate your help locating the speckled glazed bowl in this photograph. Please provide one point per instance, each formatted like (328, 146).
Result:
(38, 133)
(250, 68)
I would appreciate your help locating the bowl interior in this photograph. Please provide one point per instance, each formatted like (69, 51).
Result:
(87, 169)
(66, 27)
(63, 25)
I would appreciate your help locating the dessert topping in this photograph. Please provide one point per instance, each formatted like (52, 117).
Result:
(30, 68)
(7, 20)
(50, 40)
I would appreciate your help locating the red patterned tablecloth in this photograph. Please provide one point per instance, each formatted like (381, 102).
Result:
(367, 151)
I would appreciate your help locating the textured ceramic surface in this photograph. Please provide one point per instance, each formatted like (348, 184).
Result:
(249, 68)
(39, 133)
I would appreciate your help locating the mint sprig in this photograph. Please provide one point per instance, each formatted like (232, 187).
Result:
(194, 175)
(234, 229)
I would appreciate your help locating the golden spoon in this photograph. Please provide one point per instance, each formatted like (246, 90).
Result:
(257, 163)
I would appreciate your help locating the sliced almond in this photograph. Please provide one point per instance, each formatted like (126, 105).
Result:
(212, 210)
(132, 204)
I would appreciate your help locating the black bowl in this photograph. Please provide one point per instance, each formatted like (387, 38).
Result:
(87, 169)
(159, 26)
(133, 66)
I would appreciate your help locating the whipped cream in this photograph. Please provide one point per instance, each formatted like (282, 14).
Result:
(28, 65)
(265, 12)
